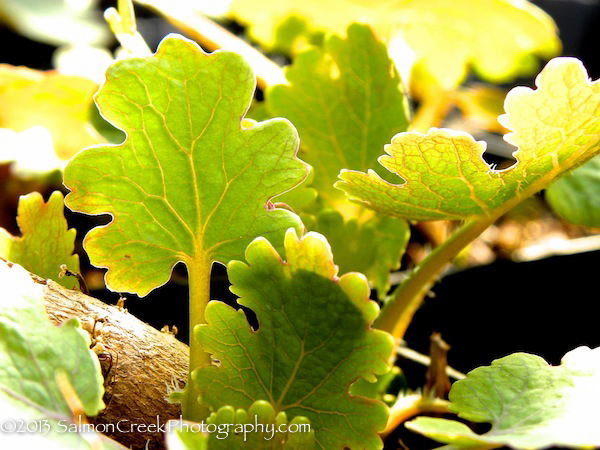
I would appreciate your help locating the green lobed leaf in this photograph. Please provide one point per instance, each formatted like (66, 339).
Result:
(556, 128)
(576, 196)
(346, 101)
(529, 403)
(373, 247)
(32, 352)
(257, 428)
(314, 341)
(190, 183)
(47, 243)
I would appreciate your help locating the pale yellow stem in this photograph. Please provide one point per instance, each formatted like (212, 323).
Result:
(213, 37)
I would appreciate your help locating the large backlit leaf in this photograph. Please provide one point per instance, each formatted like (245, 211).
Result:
(555, 127)
(257, 428)
(60, 103)
(346, 102)
(47, 243)
(529, 403)
(497, 37)
(314, 341)
(32, 352)
(576, 196)
(190, 183)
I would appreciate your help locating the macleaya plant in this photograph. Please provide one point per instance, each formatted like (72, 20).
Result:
(197, 182)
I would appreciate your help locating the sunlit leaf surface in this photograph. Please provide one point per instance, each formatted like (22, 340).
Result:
(57, 102)
(47, 243)
(555, 127)
(497, 37)
(530, 404)
(314, 341)
(346, 102)
(190, 183)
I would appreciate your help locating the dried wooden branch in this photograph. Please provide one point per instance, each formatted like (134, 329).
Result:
(139, 363)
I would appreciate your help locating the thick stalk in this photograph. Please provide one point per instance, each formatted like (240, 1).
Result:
(404, 301)
(199, 285)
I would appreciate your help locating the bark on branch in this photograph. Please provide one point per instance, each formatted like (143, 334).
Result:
(138, 362)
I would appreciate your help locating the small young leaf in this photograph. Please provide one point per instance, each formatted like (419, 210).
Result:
(373, 247)
(346, 102)
(314, 341)
(556, 128)
(60, 103)
(33, 350)
(257, 428)
(498, 38)
(529, 403)
(576, 196)
(47, 243)
(190, 183)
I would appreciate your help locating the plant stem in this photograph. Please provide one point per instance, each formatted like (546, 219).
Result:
(410, 406)
(213, 37)
(404, 301)
(199, 286)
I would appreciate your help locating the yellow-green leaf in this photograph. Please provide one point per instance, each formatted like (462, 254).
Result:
(47, 243)
(555, 127)
(191, 183)
(373, 247)
(497, 37)
(60, 103)
(346, 102)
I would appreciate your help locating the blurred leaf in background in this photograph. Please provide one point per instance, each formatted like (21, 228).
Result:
(60, 104)
(498, 38)
(56, 22)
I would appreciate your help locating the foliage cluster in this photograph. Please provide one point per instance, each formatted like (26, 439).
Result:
(309, 198)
